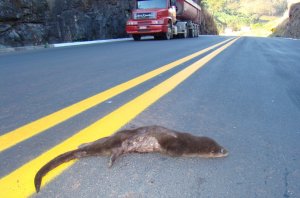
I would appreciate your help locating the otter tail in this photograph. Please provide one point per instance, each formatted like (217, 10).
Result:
(65, 157)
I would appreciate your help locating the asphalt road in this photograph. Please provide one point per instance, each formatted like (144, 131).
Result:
(247, 98)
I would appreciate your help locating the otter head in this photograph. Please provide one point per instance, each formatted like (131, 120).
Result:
(211, 149)
(218, 152)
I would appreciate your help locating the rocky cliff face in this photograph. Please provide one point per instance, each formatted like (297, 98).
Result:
(293, 24)
(37, 22)
(23, 22)
(78, 20)
(290, 27)
(208, 25)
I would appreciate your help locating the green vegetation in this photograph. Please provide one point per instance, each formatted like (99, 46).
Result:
(259, 15)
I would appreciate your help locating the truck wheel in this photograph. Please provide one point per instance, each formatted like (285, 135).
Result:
(136, 37)
(185, 34)
(197, 32)
(168, 35)
(191, 33)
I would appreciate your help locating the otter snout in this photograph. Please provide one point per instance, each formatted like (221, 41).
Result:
(223, 152)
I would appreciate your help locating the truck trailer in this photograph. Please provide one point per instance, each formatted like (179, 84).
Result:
(164, 19)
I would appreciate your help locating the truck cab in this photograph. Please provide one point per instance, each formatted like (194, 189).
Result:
(152, 17)
(164, 19)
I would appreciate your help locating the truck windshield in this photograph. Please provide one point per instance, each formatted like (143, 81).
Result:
(149, 4)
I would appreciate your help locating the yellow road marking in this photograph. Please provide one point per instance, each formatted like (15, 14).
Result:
(20, 182)
(20, 134)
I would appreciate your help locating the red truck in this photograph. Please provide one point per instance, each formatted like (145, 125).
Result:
(164, 19)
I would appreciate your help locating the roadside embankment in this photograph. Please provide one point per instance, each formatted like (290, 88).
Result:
(208, 24)
(40, 22)
(290, 27)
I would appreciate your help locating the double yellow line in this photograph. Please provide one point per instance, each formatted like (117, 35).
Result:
(19, 183)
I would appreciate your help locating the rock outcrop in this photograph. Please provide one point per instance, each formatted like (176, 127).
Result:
(79, 20)
(22, 22)
(208, 24)
(36, 22)
(290, 27)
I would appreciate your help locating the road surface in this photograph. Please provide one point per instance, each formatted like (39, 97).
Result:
(247, 97)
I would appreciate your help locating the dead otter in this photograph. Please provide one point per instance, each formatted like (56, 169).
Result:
(141, 140)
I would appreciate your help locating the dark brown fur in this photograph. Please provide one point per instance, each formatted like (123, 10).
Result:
(141, 140)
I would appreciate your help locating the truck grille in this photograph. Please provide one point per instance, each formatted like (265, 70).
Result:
(144, 22)
(145, 15)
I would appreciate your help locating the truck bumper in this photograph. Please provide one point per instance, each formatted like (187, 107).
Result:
(146, 29)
